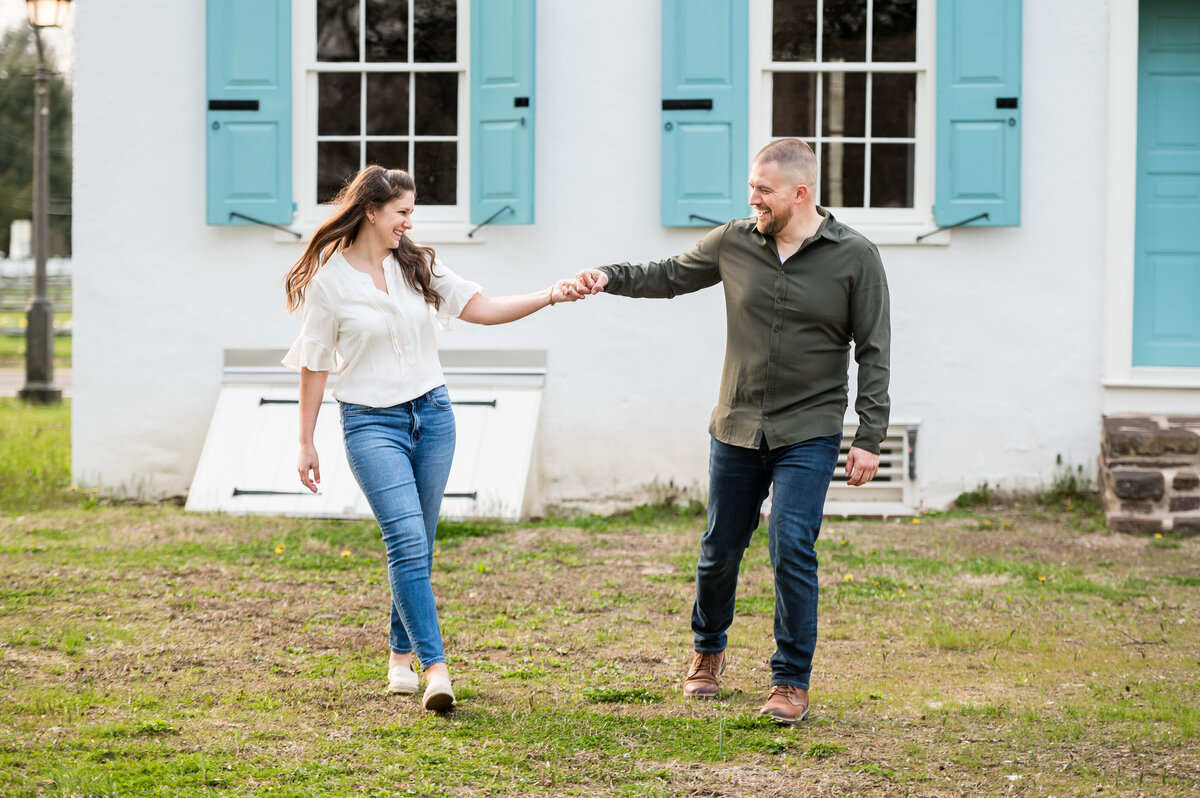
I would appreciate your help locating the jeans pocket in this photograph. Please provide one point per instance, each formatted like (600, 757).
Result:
(440, 397)
(350, 410)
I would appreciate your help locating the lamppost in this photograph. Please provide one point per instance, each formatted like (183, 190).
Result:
(39, 329)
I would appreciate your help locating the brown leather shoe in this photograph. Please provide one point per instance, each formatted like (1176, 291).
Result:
(701, 681)
(786, 704)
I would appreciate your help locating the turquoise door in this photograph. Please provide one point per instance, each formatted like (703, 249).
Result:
(1166, 290)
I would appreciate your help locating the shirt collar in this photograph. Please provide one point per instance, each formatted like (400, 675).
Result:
(829, 228)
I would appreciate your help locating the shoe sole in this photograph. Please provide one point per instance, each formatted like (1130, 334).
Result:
(402, 690)
(439, 702)
(782, 721)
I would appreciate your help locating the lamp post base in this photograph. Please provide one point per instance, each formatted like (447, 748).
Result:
(40, 394)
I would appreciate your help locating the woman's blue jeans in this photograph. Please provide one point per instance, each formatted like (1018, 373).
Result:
(739, 479)
(401, 458)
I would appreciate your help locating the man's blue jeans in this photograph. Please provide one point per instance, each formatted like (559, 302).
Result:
(739, 479)
(401, 458)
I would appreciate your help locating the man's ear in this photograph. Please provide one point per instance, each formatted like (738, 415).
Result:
(802, 192)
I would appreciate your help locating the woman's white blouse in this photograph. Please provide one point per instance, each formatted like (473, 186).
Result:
(382, 346)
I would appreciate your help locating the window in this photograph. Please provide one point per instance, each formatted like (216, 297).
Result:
(386, 85)
(849, 77)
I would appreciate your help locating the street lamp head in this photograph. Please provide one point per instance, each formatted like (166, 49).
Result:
(47, 13)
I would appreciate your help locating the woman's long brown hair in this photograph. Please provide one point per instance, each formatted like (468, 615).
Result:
(371, 188)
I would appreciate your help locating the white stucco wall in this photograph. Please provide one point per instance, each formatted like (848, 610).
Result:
(996, 337)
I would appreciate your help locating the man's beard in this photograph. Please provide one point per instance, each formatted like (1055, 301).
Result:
(774, 222)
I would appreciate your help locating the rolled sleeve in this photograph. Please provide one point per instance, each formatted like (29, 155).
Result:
(314, 347)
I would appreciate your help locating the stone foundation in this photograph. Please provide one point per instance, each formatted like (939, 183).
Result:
(1150, 469)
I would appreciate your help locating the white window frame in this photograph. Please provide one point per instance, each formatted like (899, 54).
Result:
(434, 223)
(882, 225)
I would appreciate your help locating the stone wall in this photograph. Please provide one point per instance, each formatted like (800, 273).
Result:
(1150, 467)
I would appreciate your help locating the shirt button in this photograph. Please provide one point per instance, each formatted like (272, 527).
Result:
(779, 301)
(772, 360)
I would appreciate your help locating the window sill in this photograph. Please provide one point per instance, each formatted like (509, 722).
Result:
(425, 233)
(1142, 377)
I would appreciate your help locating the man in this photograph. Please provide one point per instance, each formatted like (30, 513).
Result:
(799, 287)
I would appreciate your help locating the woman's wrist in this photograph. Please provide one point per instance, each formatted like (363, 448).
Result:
(550, 296)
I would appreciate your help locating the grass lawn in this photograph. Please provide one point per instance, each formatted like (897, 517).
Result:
(1013, 649)
(12, 347)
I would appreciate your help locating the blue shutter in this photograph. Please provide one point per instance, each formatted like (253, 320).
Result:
(705, 117)
(249, 111)
(502, 110)
(1166, 259)
(978, 111)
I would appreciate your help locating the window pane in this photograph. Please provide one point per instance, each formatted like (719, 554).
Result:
(387, 103)
(337, 162)
(437, 104)
(388, 154)
(893, 103)
(436, 172)
(338, 103)
(387, 30)
(794, 104)
(842, 174)
(794, 30)
(845, 34)
(337, 30)
(892, 175)
(844, 110)
(436, 26)
(894, 35)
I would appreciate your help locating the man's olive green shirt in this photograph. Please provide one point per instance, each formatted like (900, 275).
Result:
(790, 324)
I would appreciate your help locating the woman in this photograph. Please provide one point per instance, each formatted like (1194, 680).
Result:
(364, 292)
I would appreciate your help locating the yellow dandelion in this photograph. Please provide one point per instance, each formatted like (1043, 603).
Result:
(1158, 535)
(279, 549)
(436, 553)
(74, 487)
(849, 577)
(916, 520)
(842, 542)
(1070, 507)
(458, 559)
(95, 490)
(1041, 579)
(345, 552)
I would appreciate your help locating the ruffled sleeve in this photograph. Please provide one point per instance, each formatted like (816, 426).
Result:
(314, 348)
(454, 291)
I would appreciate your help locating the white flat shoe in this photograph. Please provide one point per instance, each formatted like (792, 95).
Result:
(402, 679)
(439, 696)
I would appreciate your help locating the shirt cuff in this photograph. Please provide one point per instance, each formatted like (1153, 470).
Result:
(308, 353)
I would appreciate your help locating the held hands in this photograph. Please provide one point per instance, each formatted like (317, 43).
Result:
(309, 467)
(590, 281)
(564, 291)
(861, 466)
(583, 285)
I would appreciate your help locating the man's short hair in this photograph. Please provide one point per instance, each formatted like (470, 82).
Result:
(794, 157)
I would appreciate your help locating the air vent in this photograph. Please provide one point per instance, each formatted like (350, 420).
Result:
(894, 489)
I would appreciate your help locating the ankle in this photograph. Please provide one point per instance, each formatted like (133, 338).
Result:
(437, 672)
(400, 659)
